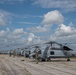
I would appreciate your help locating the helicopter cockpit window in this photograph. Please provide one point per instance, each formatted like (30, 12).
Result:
(66, 48)
(52, 52)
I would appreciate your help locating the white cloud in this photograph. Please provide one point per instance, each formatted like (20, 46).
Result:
(3, 33)
(64, 5)
(39, 29)
(33, 39)
(5, 17)
(53, 17)
(70, 40)
(65, 34)
(64, 30)
(17, 37)
(18, 31)
(2, 19)
(30, 37)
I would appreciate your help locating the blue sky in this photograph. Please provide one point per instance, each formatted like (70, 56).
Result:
(24, 22)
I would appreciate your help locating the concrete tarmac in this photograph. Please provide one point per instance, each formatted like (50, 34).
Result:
(26, 66)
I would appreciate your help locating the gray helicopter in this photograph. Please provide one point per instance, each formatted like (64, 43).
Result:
(25, 52)
(52, 50)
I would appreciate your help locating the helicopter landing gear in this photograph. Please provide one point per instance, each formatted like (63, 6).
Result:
(41, 59)
(68, 59)
(48, 59)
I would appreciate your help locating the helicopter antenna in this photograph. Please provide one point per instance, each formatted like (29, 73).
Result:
(65, 43)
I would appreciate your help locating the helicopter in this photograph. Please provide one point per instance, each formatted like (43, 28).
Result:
(53, 50)
(25, 52)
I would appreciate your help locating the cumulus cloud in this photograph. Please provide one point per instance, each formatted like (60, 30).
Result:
(3, 33)
(70, 40)
(64, 30)
(50, 18)
(14, 37)
(33, 39)
(64, 5)
(18, 31)
(17, 38)
(65, 34)
(53, 17)
(30, 37)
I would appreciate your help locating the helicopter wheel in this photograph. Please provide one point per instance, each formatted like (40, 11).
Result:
(48, 59)
(43, 60)
(68, 59)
